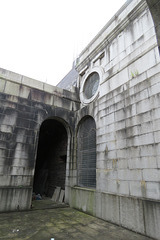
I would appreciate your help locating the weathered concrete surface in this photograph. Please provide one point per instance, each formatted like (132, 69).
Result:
(60, 223)
(126, 109)
(24, 105)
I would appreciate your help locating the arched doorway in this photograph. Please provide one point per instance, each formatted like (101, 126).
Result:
(50, 170)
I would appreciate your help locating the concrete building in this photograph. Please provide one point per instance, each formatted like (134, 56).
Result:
(100, 141)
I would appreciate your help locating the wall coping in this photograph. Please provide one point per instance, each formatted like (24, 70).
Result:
(33, 83)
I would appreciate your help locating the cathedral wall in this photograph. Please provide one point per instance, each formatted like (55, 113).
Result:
(126, 107)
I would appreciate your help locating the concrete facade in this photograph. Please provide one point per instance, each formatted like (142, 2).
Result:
(25, 104)
(126, 108)
(126, 112)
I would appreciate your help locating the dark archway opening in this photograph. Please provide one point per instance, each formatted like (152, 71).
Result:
(50, 168)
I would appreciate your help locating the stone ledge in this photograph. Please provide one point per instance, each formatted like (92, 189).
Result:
(16, 187)
(83, 188)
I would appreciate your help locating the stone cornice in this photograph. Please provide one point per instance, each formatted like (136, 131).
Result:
(91, 51)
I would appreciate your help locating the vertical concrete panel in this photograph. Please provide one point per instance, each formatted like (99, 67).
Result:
(152, 218)
(131, 214)
(13, 199)
(110, 208)
(83, 199)
(12, 88)
(98, 201)
(2, 85)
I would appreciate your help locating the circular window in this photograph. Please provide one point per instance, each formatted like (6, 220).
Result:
(91, 85)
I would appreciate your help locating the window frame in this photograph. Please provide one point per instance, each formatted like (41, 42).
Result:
(84, 100)
(90, 154)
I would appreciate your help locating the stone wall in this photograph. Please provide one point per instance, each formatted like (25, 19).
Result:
(126, 110)
(24, 104)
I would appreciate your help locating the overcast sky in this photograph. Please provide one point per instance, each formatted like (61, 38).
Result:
(41, 38)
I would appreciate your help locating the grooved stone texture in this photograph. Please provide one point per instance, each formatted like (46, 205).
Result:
(39, 126)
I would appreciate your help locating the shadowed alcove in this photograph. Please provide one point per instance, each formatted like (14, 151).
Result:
(50, 170)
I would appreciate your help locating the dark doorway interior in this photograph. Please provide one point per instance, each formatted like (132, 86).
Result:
(50, 168)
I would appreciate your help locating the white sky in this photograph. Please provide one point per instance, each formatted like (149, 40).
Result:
(41, 38)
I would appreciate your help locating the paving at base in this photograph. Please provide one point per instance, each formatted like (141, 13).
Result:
(60, 222)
